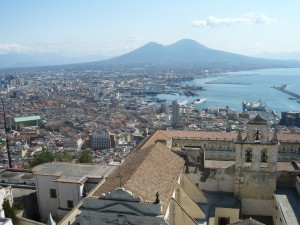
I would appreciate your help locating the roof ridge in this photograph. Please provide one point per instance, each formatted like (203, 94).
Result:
(141, 145)
(162, 132)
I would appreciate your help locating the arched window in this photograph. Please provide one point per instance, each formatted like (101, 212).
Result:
(264, 155)
(248, 155)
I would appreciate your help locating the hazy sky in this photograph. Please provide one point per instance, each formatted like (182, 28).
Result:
(113, 27)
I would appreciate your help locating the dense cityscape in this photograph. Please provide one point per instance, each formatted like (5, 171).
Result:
(108, 115)
(69, 111)
(149, 112)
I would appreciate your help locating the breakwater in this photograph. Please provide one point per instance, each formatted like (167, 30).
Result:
(282, 89)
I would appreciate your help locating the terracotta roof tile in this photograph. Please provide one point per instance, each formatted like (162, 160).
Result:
(169, 134)
(147, 171)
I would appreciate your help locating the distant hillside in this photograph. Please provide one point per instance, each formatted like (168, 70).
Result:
(17, 60)
(183, 55)
(189, 54)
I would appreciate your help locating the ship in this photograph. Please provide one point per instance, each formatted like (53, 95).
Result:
(183, 103)
(254, 106)
(200, 100)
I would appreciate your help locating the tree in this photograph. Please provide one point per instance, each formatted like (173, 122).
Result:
(9, 211)
(42, 157)
(85, 157)
(63, 156)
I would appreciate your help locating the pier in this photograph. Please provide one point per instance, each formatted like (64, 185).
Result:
(282, 88)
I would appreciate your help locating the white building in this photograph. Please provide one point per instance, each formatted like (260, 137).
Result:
(60, 186)
(75, 143)
(5, 193)
(5, 221)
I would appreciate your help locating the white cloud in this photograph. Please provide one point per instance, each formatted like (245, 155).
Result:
(263, 19)
(13, 48)
(249, 18)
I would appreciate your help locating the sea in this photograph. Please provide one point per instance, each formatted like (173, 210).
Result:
(232, 88)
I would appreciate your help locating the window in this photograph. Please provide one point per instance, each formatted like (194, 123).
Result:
(224, 221)
(264, 155)
(53, 193)
(248, 155)
(70, 204)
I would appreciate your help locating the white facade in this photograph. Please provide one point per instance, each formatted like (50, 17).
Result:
(76, 143)
(5, 221)
(53, 196)
(121, 206)
(125, 208)
(5, 193)
(60, 186)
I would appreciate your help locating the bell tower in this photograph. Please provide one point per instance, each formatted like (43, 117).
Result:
(256, 167)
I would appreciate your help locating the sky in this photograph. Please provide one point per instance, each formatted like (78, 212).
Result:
(114, 27)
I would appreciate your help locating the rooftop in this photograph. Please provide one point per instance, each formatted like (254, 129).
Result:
(258, 120)
(169, 134)
(145, 172)
(20, 175)
(73, 173)
(26, 118)
(218, 164)
(289, 201)
(221, 199)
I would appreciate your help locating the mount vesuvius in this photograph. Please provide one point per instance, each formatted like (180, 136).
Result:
(189, 54)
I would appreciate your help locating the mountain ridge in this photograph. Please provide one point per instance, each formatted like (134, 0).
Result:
(185, 54)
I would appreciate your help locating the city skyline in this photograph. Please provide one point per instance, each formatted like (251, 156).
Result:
(108, 29)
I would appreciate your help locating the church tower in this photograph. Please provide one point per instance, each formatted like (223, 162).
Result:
(256, 168)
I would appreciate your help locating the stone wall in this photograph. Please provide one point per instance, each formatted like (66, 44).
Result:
(213, 179)
(224, 149)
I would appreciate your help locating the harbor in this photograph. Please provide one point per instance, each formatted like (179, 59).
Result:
(282, 88)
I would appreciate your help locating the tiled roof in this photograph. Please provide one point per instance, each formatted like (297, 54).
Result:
(147, 171)
(169, 134)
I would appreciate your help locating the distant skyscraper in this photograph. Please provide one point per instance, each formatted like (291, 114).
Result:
(175, 114)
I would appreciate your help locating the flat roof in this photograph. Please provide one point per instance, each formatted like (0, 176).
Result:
(221, 200)
(289, 202)
(16, 175)
(72, 173)
(26, 118)
(218, 163)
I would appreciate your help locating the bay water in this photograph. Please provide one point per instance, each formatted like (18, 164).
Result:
(232, 88)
